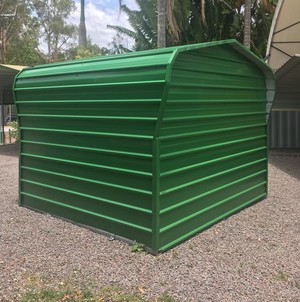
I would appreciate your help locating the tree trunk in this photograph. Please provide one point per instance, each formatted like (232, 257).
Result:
(161, 23)
(247, 24)
(82, 42)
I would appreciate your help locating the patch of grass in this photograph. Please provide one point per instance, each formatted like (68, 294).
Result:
(40, 289)
(175, 254)
(166, 298)
(298, 285)
(137, 247)
(57, 295)
(116, 294)
(281, 276)
(191, 247)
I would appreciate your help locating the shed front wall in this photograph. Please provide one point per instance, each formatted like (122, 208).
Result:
(213, 142)
(86, 143)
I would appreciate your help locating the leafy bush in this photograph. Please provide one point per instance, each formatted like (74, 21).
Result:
(14, 132)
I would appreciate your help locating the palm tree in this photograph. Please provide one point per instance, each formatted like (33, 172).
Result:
(144, 26)
(82, 29)
(161, 23)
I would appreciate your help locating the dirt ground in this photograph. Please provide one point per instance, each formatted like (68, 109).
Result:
(251, 256)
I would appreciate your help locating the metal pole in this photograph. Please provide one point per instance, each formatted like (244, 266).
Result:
(2, 137)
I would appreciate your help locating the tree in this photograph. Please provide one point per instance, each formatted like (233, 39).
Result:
(144, 24)
(245, 19)
(82, 42)
(54, 30)
(161, 23)
(194, 21)
(247, 24)
(144, 27)
(91, 50)
(18, 34)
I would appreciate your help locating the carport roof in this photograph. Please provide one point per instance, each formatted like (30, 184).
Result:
(7, 76)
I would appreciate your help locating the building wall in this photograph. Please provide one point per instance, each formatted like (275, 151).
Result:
(284, 129)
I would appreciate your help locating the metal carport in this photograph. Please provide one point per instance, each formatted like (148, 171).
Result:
(7, 76)
(283, 57)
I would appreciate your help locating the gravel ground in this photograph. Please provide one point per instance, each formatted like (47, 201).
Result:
(251, 256)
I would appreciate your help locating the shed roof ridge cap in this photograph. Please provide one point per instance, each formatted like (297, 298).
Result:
(106, 58)
(156, 51)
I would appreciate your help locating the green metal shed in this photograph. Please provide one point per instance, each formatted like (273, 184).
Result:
(151, 146)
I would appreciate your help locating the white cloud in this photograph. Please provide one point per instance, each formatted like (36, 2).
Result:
(98, 14)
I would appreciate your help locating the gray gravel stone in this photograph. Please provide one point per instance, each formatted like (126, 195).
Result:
(251, 256)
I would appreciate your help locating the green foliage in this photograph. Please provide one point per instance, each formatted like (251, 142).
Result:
(117, 46)
(281, 276)
(166, 298)
(18, 33)
(143, 23)
(117, 294)
(54, 295)
(92, 50)
(260, 28)
(52, 16)
(137, 247)
(40, 288)
(15, 131)
(195, 21)
(110, 293)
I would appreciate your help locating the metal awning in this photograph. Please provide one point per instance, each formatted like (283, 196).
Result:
(284, 38)
(7, 76)
(288, 88)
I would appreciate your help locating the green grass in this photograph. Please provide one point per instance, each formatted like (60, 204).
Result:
(166, 298)
(281, 276)
(137, 247)
(57, 295)
(39, 290)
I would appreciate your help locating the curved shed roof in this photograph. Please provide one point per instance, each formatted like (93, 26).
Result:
(164, 57)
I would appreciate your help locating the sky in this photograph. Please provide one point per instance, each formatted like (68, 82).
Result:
(100, 13)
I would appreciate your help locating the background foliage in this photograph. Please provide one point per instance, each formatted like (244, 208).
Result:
(37, 31)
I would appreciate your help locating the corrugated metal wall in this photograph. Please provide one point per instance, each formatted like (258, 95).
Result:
(213, 141)
(86, 141)
(284, 129)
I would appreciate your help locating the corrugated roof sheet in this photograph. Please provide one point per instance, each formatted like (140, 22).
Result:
(14, 67)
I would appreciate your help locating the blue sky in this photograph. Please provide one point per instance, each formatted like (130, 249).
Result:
(99, 13)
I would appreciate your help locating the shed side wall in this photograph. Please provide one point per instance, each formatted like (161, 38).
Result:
(213, 141)
(86, 144)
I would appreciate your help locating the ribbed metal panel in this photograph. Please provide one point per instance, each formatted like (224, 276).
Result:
(213, 143)
(86, 141)
(284, 129)
(151, 146)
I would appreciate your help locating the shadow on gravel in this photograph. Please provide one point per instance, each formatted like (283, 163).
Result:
(10, 150)
(287, 161)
